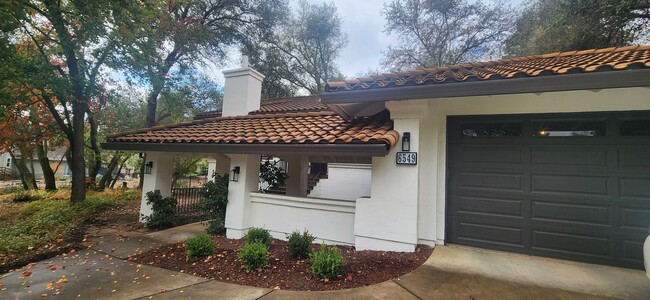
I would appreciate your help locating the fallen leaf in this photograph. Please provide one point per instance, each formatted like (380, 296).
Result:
(27, 273)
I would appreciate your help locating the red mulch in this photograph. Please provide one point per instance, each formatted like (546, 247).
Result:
(284, 272)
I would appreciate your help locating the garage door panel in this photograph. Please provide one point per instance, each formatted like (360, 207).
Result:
(491, 155)
(631, 251)
(634, 156)
(490, 180)
(495, 235)
(635, 218)
(570, 184)
(634, 188)
(571, 213)
(569, 156)
(487, 206)
(562, 243)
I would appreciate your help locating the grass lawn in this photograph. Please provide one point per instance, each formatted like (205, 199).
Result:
(49, 225)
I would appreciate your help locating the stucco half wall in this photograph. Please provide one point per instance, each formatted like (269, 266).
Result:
(433, 115)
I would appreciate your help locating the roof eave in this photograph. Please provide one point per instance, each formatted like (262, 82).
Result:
(373, 150)
(549, 83)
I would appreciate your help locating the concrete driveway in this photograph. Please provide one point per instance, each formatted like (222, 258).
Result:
(102, 272)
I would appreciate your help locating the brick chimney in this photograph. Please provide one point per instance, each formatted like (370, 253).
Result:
(242, 90)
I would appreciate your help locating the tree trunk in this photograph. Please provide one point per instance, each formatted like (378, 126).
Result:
(31, 168)
(118, 172)
(26, 177)
(44, 161)
(109, 172)
(96, 164)
(78, 192)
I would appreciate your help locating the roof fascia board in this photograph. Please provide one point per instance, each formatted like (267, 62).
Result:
(305, 149)
(548, 83)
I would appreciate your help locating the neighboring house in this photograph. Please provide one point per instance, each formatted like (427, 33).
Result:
(58, 163)
(545, 155)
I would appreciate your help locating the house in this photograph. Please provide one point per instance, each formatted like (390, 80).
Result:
(545, 155)
(58, 163)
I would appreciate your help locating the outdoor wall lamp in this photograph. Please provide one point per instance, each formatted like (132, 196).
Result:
(148, 167)
(406, 141)
(234, 174)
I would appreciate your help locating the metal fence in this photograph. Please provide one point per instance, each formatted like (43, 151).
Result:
(187, 209)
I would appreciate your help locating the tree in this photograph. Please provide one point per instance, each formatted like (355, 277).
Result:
(74, 40)
(27, 128)
(184, 32)
(547, 26)
(433, 33)
(303, 53)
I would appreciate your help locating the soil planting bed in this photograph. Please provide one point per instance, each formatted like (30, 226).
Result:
(284, 272)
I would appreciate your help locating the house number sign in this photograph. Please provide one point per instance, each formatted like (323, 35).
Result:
(407, 158)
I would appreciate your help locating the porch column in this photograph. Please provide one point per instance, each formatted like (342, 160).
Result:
(218, 164)
(160, 179)
(388, 220)
(298, 175)
(239, 204)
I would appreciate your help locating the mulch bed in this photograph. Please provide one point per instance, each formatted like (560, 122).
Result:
(284, 272)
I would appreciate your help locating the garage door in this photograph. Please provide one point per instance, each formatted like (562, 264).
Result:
(574, 186)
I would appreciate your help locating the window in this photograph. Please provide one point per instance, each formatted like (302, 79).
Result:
(8, 162)
(568, 128)
(491, 129)
(635, 128)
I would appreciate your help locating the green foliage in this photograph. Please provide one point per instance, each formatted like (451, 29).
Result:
(271, 174)
(163, 211)
(42, 222)
(30, 195)
(253, 255)
(199, 246)
(11, 190)
(258, 235)
(327, 262)
(548, 26)
(299, 244)
(214, 201)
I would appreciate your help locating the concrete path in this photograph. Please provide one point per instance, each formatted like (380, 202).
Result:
(102, 272)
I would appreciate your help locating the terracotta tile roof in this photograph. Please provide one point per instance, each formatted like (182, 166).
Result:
(324, 127)
(288, 104)
(595, 60)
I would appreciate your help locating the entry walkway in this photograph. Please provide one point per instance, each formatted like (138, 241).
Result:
(103, 272)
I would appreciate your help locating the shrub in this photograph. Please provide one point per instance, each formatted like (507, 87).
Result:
(10, 189)
(253, 255)
(258, 235)
(214, 199)
(327, 262)
(199, 246)
(299, 243)
(30, 195)
(163, 211)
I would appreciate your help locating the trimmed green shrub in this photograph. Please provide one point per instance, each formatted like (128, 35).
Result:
(258, 235)
(163, 211)
(327, 262)
(199, 246)
(214, 198)
(253, 255)
(298, 243)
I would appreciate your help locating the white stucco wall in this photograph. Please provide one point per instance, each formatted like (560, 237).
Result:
(433, 135)
(344, 181)
(330, 221)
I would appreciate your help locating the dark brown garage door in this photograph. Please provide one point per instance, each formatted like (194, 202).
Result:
(574, 186)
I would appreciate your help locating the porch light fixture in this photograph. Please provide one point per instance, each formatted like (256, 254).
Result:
(234, 174)
(406, 141)
(148, 167)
